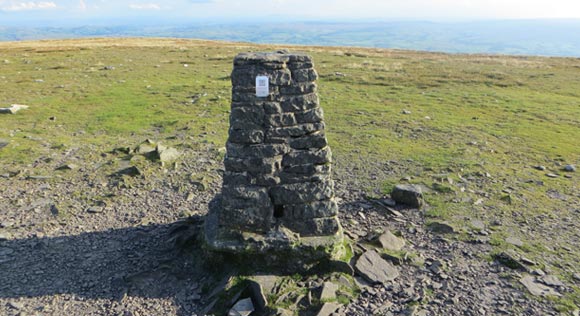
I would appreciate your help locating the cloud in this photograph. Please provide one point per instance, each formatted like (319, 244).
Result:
(145, 6)
(82, 5)
(28, 6)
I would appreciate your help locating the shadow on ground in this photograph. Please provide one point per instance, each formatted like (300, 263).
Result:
(137, 261)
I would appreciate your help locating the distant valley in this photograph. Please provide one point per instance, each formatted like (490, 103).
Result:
(512, 37)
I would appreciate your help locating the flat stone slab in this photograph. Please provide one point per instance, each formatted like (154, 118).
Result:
(536, 288)
(376, 269)
(391, 242)
(328, 291)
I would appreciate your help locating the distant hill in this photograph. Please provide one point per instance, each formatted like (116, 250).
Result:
(513, 37)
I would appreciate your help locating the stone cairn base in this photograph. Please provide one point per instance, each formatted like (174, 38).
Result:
(277, 190)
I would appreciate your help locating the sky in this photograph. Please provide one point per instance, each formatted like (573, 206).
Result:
(78, 11)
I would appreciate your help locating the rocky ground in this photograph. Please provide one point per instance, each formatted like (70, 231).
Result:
(83, 233)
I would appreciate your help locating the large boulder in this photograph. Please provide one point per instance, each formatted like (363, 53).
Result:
(408, 194)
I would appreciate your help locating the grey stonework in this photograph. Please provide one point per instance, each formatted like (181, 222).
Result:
(277, 185)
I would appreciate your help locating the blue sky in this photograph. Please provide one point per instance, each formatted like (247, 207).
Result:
(166, 10)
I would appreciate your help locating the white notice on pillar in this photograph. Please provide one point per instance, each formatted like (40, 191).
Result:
(262, 86)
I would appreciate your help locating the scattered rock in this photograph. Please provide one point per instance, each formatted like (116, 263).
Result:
(570, 168)
(514, 241)
(551, 175)
(406, 112)
(408, 194)
(391, 242)
(167, 154)
(536, 288)
(375, 269)
(95, 209)
(551, 280)
(510, 260)
(67, 167)
(527, 261)
(477, 224)
(3, 143)
(576, 276)
(15, 305)
(541, 168)
(328, 308)
(441, 228)
(242, 308)
(130, 171)
(13, 109)
(39, 177)
(328, 291)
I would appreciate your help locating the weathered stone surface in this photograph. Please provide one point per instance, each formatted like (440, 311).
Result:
(391, 242)
(326, 208)
(241, 136)
(253, 165)
(247, 118)
(304, 75)
(302, 192)
(298, 103)
(317, 140)
(294, 131)
(375, 269)
(570, 168)
(328, 291)
(328, 309)
(280, 120)
(302, 157)
(408, 194)
(536, 288)
(242, 308)
(277, 187)
(300, 88)
(255, 151)
(311, 116)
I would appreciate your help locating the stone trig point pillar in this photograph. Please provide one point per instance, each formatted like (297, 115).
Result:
(277, 190)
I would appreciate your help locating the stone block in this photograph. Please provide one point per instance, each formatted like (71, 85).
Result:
(308, 169)
(298, 103)
(300, 65)
(327, 208)
(317, 140)
(241, 136)
(254, 219)
(280, 120)
(294, 131)
(255, 151)
(299, 88)
(254, 166)
(314, 227)
(237, 178)
(304, 157)
(272, 107)
(312, 116)
(299, 193)
(251, 97)
(304, 75)
(247, 117)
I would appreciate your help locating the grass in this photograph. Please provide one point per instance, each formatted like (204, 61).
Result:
(483, 120)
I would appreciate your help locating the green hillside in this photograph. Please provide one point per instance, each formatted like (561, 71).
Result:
(471, 128)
